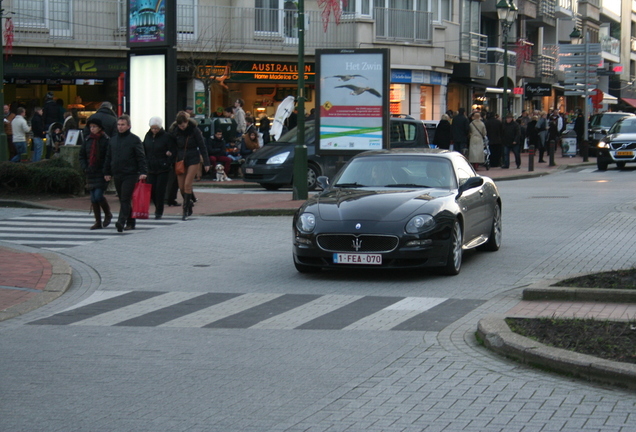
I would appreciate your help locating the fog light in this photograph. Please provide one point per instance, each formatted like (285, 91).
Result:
(303, 241)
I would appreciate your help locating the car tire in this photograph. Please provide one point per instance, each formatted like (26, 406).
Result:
(601, 166)
(302, 268)
(271, 186)
(620, 165)
(494, 239)
(455, 251)
(313, 172)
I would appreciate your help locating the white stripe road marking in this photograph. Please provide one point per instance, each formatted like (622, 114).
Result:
(97, 296)
(138, 309)
(221, 310)
(307, 312)
(395, 314)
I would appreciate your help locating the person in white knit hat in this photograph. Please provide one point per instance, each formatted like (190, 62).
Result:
(160, 147)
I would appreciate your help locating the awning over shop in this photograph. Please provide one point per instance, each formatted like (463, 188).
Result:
(629, 101)
(609, 99)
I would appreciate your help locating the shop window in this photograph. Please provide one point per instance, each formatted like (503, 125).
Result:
(398, 99)
(426, 102)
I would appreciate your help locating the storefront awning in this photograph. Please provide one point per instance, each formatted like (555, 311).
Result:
(609, 99)
(629, 101)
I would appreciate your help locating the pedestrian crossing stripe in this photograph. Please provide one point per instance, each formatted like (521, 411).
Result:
(54, 230)
(264, 311)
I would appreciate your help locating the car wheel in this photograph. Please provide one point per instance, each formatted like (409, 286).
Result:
(313, 172)
(302, 268)
(271, 186)
(620, 165)
(602, 166)
(455, 252)
(494, 239)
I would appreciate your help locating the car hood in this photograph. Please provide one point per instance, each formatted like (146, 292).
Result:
(621, 137)
(379, 205)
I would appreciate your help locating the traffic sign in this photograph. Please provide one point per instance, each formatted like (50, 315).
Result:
(579, 48)
(593, 59)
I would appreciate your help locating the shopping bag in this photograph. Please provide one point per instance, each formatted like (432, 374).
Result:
(141, 200)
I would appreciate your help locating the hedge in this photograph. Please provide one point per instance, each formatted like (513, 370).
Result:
(47, 176)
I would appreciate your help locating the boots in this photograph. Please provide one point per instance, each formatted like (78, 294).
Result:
(98, 216)
(187, 206)
(108, 216)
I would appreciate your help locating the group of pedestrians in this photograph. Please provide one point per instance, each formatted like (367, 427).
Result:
(469, 136)
(111, 151)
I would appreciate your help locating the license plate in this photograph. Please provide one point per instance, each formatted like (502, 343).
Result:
(624, 153)
(354, 258)
(249, 170)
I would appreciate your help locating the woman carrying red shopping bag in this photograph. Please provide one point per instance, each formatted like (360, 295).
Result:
(141, 200)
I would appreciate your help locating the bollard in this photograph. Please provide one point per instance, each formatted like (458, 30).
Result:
(551, 149)
(531, 158)
(585, 150)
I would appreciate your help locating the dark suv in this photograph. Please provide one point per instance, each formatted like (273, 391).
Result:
(619, 146)
(599, 125)
(272, 166)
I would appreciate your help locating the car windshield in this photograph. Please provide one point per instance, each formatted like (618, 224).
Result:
(292, 136)
(605, 120)
(627, 125)
(397, 171)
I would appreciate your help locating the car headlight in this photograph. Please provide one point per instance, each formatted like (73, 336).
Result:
(278, 159)
(419, 224)
(306, 223)
(602, 144)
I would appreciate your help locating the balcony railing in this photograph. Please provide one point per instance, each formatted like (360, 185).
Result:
(403, 25)
(633, 44)
(474, 47)
(495, 55)
(610, 45)
(545, 66)
(570, 5)
(102, 25)
(547, 8)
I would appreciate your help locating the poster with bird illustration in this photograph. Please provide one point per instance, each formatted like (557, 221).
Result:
(352, 99)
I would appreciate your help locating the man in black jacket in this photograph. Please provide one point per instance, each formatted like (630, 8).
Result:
(37, 126)
(107, 116)
(511, 139)
(459, 131)
(126, 162)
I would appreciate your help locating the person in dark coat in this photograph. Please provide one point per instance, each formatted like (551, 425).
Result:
(494, 129)
(159, 147)
(217, 152)
(50, 110)
(126, 163)
(579, 129)
(511, 139)
(192, 150)
(92, 156)
(442, 138)
(263, 128)
(39, 133)
(459, 131)
(533, 134)
(108, 118)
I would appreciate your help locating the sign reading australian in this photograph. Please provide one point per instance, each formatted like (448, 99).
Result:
(352, 89)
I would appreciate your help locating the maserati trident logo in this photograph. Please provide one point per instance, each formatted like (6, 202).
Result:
(358, 226)
(356, 244)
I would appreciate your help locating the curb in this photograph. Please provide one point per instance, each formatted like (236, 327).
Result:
(497, 336)
(57, 285)
(545, 290)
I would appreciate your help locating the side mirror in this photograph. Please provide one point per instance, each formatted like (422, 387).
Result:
(472, 182)
(323, 181)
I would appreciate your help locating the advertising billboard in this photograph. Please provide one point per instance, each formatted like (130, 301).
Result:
(151, 23)
(352, 88)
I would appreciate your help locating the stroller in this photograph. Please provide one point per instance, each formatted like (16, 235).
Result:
(486, 154)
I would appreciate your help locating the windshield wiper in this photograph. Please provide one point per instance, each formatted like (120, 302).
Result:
(408, 185)
(348, 185)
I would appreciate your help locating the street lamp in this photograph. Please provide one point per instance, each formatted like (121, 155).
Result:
(576, 37)
(507, 13)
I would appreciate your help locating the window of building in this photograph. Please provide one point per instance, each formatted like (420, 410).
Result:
(53, 15)
(186, 19)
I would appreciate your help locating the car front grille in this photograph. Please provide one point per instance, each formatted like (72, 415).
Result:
(623, 146)
(360, 243)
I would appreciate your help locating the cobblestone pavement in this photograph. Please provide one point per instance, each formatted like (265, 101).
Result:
(105, 376)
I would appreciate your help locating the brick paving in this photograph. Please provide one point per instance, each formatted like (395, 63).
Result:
(22, 275)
